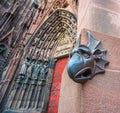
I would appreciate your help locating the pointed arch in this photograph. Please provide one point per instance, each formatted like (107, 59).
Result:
(34, 75)
(59, 22)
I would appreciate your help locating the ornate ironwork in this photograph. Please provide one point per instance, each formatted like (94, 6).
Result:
(87, 61)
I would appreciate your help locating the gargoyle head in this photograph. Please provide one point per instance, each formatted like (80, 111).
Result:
(86, 61)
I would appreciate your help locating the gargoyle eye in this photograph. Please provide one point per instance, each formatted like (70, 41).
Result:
(85, 54)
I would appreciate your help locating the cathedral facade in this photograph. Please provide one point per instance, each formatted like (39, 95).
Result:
(54, 56)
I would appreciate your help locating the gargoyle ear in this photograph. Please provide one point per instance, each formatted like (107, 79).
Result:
(97, 53)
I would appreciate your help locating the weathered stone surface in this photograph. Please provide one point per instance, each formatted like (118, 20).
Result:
(111, 5)
(102, 94)
(56, 86)
(101, 16)
(70, 95)
(99, 95)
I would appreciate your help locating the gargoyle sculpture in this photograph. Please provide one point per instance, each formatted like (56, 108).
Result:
(87, 61)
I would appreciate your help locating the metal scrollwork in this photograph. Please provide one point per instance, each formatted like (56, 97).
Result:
(87, 61)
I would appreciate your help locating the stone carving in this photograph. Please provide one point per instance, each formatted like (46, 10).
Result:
(44, 71)
(87, 61)
(35, 90)
(23, 70)
(64, 47)
(30, 69)
(37, 69)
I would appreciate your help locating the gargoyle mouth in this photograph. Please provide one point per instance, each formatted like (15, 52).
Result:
(84, 73)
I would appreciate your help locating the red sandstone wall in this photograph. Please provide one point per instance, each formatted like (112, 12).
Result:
(99, 15)
(102, 93)
(56, 85)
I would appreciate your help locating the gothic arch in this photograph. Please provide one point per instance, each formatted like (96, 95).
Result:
(59, 22)
(31, 90)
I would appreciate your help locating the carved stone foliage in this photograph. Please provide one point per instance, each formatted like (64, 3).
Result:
(34, 75)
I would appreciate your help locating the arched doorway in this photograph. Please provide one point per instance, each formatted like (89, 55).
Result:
(35, 73)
